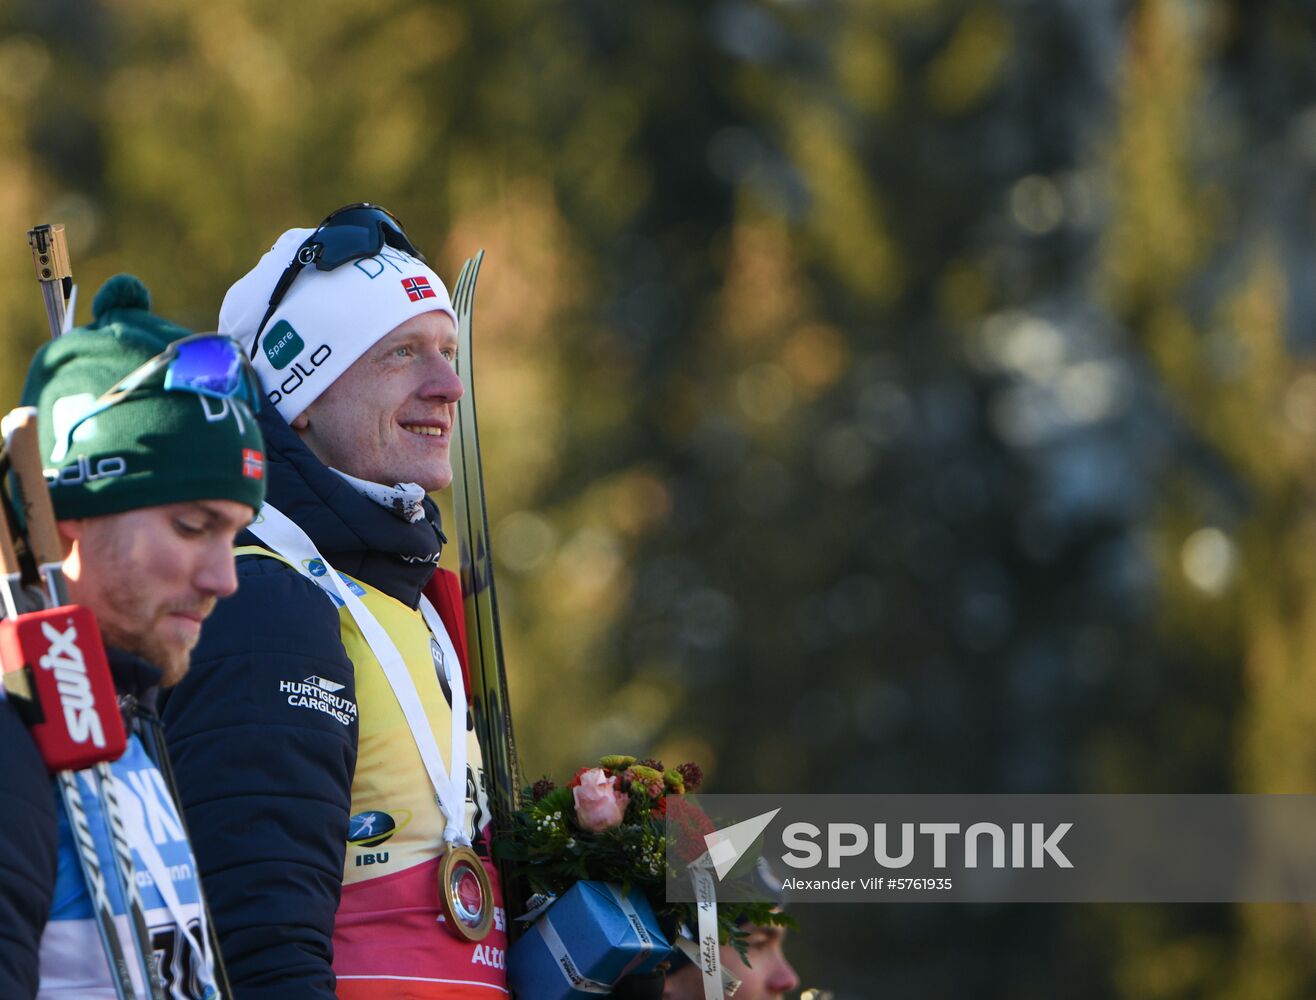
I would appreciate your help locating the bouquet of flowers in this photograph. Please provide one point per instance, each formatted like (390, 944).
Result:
(609, 825)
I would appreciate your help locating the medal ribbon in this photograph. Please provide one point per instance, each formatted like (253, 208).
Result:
(691, 951)
(286, 537)
(710, 959)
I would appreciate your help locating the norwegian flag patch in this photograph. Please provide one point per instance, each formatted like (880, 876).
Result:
(418, 288)
(253, 464)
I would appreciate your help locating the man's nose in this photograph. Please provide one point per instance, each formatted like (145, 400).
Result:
(442, 381)
(217, 573)
(784, 979)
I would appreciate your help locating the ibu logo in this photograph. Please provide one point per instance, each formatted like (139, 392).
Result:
(282, 344)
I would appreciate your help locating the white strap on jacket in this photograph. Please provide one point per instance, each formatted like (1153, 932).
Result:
(285, 537)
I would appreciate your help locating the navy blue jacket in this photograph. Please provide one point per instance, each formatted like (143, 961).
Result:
(29, 838)
(266, 784)
(27, 855)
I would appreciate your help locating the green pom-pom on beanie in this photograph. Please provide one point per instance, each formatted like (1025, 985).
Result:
(153, 447)
(123, 291)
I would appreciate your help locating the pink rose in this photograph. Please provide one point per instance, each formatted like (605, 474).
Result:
(599, 805)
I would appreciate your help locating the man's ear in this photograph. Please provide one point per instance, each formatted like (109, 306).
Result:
(300, 422)
(69, 532)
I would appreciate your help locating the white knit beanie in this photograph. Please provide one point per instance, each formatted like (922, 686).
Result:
(327, 319)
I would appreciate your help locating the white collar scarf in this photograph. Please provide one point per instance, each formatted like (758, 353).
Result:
(405, 499)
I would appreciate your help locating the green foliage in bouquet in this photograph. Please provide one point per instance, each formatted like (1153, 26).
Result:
(609, 825)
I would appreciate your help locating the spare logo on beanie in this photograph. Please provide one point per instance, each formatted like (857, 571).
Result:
(282, 344)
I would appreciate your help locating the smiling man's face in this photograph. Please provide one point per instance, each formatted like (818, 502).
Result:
(389, 417)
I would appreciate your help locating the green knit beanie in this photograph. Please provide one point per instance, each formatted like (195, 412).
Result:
(154, 446)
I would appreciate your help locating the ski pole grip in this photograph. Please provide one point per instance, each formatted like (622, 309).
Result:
(25, 454)
(9, 566)
(11, 571)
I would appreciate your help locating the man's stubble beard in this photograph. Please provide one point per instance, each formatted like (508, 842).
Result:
(171, 659)
(172, 656)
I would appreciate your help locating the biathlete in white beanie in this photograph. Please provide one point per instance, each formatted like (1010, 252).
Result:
(328, 764)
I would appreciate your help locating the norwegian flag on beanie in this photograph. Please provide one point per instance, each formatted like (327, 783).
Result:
(418, 288)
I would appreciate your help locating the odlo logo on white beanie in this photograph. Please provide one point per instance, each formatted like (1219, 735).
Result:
(327, 320)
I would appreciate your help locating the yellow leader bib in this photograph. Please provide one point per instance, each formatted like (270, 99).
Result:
(387, 938)
(393, 801)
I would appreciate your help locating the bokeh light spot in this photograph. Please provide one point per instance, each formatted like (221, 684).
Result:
(1037, 204)
(1209, 559)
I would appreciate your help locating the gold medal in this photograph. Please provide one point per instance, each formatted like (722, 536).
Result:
(466, 894)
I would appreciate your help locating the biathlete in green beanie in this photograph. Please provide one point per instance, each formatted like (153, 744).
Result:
(155, 463)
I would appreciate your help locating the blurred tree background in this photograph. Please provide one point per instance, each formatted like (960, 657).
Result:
(903, 395)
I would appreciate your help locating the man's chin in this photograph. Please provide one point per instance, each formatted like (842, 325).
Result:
(438, 479)
(431, 478)
(174, 672)
(170, 656)
(173, 658)
(176, 657)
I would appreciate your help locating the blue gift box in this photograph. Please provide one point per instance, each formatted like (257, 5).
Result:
(589, 937)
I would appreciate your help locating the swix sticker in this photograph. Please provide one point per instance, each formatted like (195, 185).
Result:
(64, 659)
